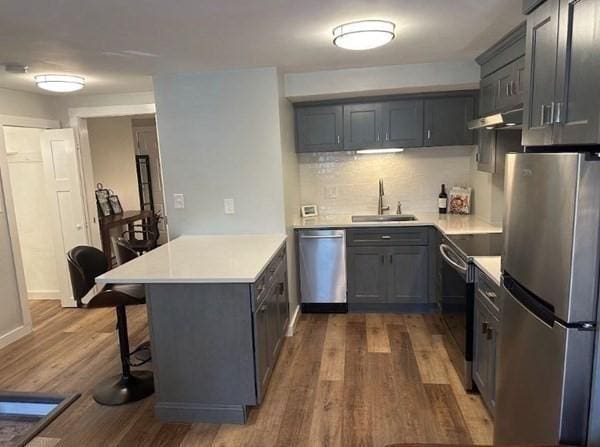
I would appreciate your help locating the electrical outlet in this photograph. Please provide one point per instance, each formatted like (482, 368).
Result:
(331, 192)
(179, 201)
(229, 206)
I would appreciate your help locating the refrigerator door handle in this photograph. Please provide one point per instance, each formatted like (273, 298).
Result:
(531, 303)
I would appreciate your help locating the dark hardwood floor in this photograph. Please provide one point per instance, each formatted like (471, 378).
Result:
(342, 380)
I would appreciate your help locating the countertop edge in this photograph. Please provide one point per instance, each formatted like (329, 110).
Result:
(480, 265)
(171, 281)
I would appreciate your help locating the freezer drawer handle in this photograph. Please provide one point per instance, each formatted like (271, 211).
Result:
(444, 249)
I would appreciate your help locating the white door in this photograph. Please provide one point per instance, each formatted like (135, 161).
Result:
(63, 183)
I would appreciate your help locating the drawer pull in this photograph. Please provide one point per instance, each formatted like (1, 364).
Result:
(490, 295)
(386, 237)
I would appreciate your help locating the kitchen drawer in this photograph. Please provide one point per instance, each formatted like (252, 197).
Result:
(387, 236)
(489, 293)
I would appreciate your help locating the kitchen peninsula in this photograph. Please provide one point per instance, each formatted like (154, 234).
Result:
(217, 311)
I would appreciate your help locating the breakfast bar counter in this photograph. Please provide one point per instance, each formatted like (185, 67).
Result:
(217, 314)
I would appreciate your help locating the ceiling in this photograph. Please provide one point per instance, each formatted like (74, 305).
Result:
(118, 45)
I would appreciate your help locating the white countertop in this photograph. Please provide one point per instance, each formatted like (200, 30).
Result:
(446, 223)
(200, 259)
(490, 265)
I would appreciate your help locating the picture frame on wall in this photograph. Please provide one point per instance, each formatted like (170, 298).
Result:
(102, 195)
(115, 204)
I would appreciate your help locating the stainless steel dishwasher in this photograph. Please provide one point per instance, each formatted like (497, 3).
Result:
(322, 255)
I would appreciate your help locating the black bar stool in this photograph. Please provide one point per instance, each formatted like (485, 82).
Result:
(85, 264)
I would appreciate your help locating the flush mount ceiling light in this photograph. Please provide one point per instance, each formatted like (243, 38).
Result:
(363, 34)
(59, 83)
(380, 151)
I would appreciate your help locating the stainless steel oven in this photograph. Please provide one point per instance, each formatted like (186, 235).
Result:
(456, 295)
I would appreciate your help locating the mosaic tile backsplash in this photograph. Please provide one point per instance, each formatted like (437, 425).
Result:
(347, 183)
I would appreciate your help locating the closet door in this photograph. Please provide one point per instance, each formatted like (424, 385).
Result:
(63, 183)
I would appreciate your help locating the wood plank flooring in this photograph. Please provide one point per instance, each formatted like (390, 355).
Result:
(342, 380)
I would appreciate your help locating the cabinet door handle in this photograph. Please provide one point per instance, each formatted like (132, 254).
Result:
(386, 237)
(378, 137)
(382, 257)
(484, 327)
(489, 333)
(490, 295)
(552, 106)
(429, 134)
(391, 259)
(477, 156)
(508, 89)
(338, 139)
(387, 136)
(558, 115)
(513, 88)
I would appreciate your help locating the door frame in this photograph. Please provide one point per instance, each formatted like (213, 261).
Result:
(36, 123)
(78, 117)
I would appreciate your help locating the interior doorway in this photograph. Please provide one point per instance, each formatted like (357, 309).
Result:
(124, 162)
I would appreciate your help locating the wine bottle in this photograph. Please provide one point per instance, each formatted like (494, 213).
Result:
(443, 200)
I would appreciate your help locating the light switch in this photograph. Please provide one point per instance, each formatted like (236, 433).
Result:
(331, 192)
(179, 201)
(229, 206)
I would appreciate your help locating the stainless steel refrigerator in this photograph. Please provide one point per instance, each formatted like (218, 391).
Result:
(546, 385)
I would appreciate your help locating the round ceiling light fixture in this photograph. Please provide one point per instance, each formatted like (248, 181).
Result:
(60, 83)
(363, 34)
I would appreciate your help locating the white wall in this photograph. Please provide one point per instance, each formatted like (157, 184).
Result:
(32, 211)
(347, 183)
(64, 103)
(291, 189)
(220, 138)
(27, 104)
(113, 158)
(436, 76)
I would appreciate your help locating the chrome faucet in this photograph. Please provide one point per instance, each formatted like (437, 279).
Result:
(380, 207)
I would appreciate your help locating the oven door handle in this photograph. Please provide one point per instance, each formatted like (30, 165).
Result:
(444, 249)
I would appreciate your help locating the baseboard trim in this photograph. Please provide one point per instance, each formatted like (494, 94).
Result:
(293, 321)
(14, 335)
(43, 294)
(191, 412)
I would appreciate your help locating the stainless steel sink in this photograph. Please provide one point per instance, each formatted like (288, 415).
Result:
(385, 218)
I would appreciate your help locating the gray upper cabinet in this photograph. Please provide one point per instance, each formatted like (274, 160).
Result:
(394, 122)
(540, 62)
(319, 129)
(403, 123)
(487, 96)
(562, 72)
(576, 114)
(493, 147)
(446, 121)
(363, 126)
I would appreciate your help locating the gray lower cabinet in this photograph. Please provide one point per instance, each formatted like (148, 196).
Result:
(486, 330)
(214, 346)
(319, 129)
(388, 267)
(367, 273)
(446, 121)
(408, 274)
(363, 125)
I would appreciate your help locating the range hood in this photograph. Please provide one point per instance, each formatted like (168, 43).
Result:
(509, 120)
